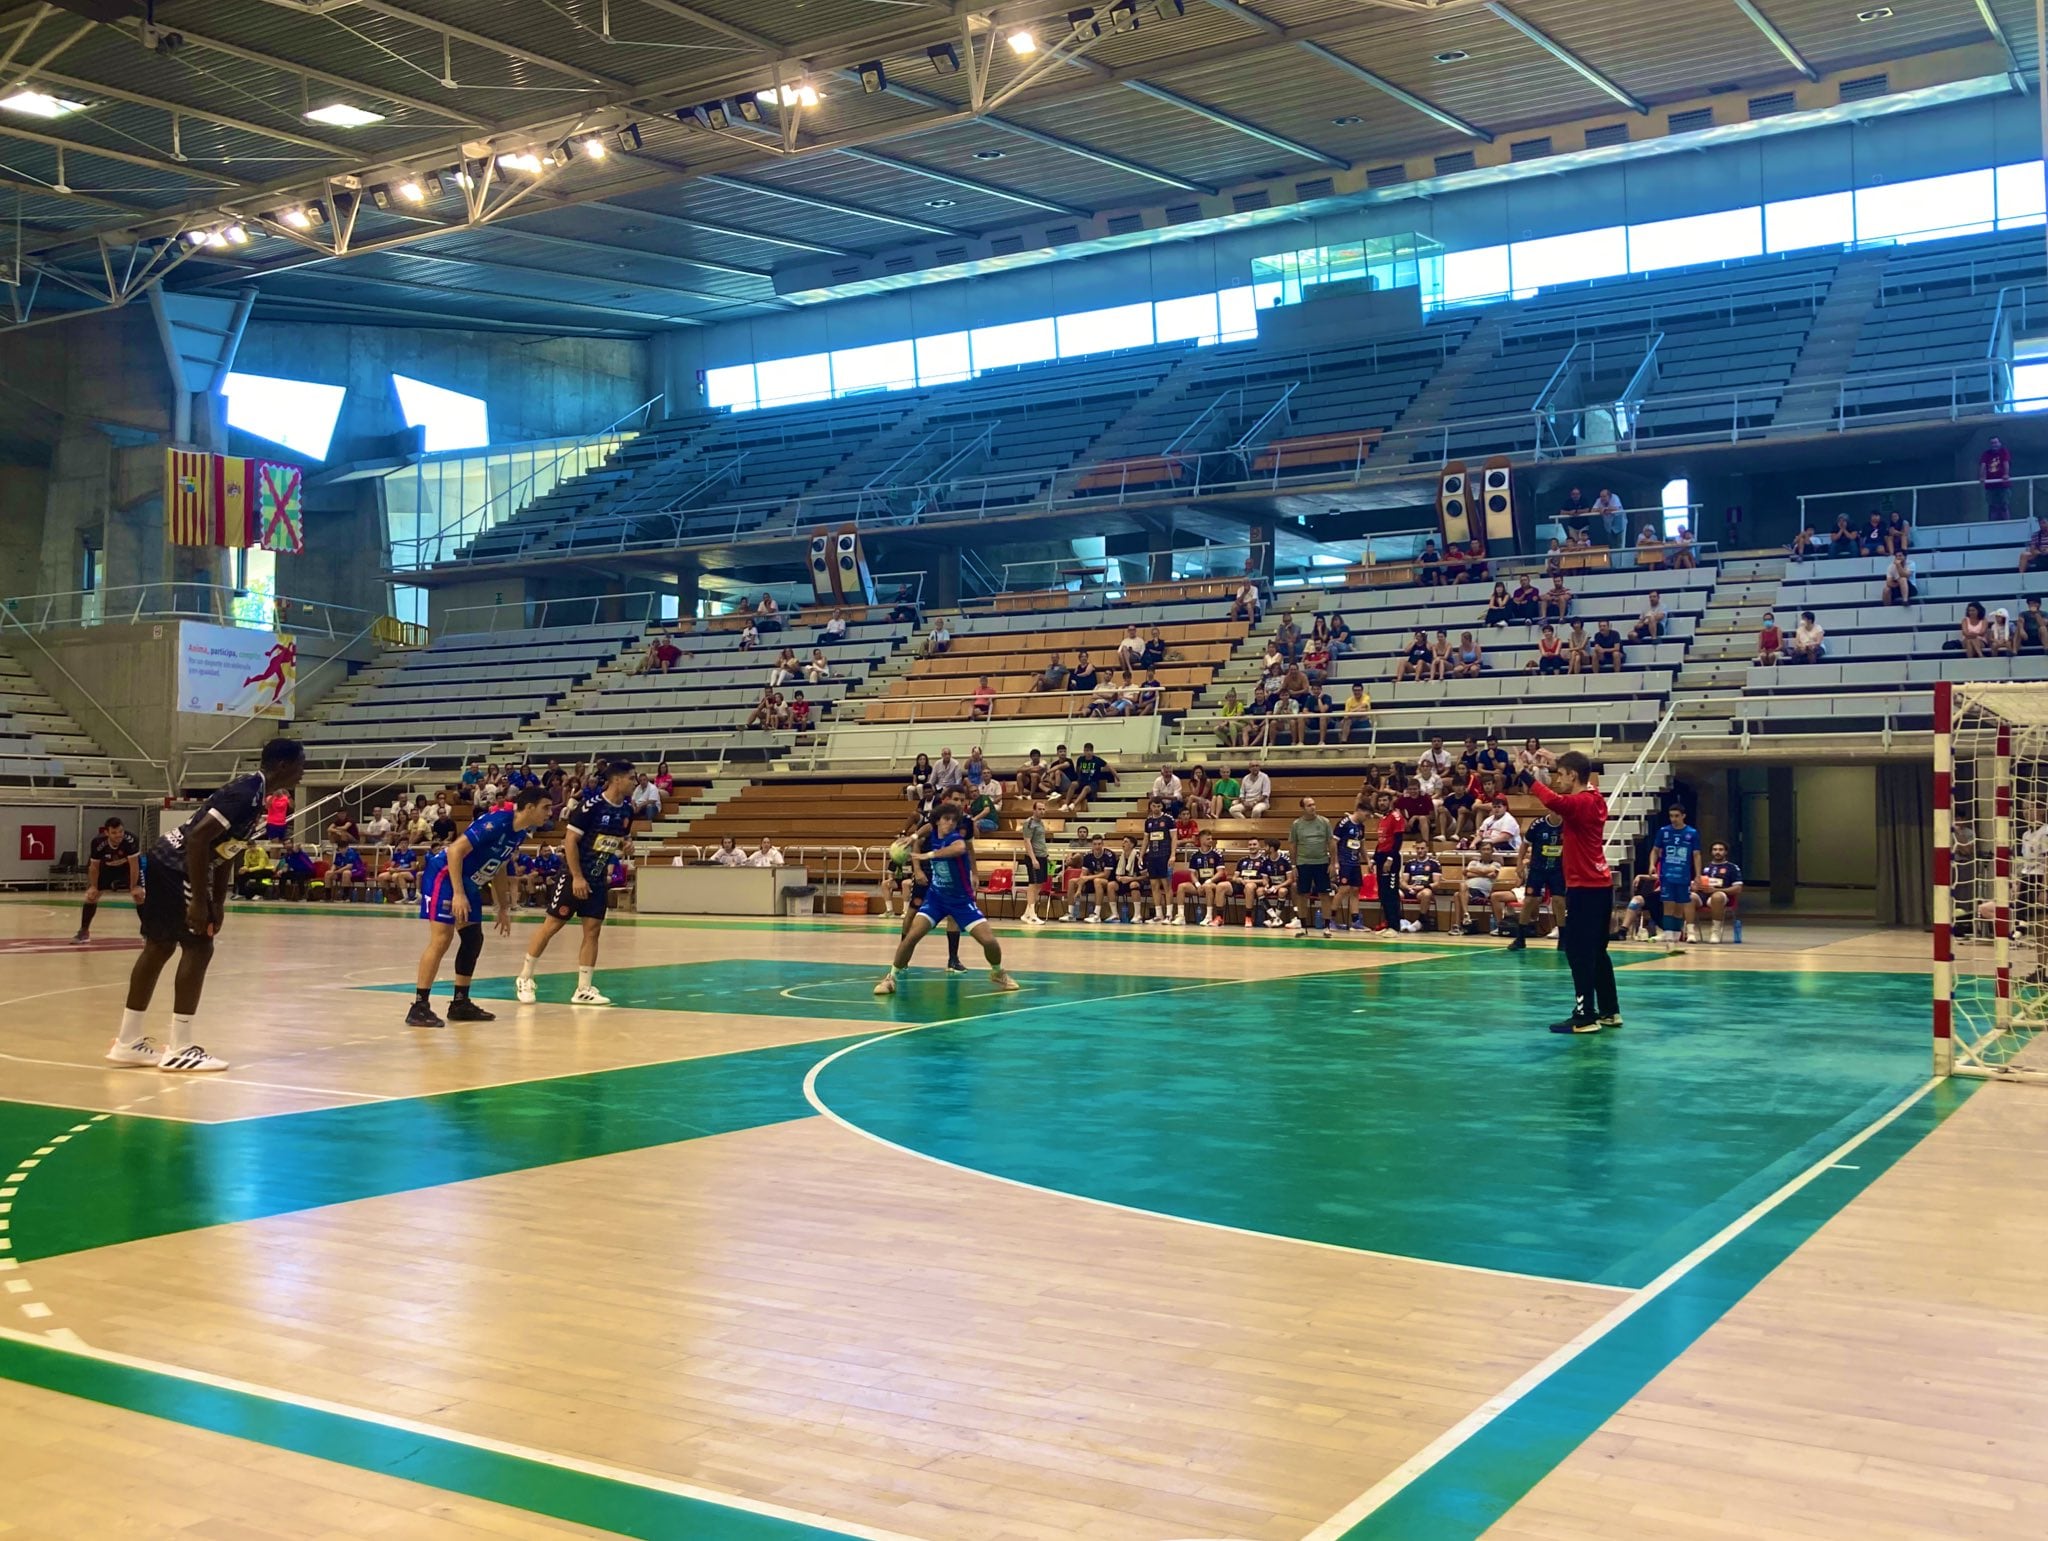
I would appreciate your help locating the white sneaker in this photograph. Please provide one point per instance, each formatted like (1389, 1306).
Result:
(191, 1057)
(887, 984)
(523, 990)
(1095, 917)
(1294, 923)
(1689, 934)
(1002, 981)
(143, 1051)
(587, 995)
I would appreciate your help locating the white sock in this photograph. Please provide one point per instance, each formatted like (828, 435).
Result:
(133, 1026)
(181, 1031)
(526, 967)
(583, 978)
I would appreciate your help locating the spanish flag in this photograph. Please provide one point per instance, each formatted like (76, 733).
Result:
(234, 500)
(190, 511)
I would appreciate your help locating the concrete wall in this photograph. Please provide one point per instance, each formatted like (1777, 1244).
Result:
(23, 491)
(537, 387)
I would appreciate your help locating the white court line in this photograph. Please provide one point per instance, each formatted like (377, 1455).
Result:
(1409, 1470)
(811, 1096)
(647, 1481)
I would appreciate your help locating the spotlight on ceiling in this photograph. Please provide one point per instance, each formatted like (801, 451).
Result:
(40, 104)
(1876, 13)
(380, 195)
(591, 147)
(988, 155)
(235, 235)
(1171, 10)
(342, 115)
(1082, 24)
(712, 115)
(520, 160)
(433, 185)
(629, 139)
(296, 219)
(750, 109)
(945, 58)
(873, 78)
(1023, 41)
(195, 238)
(1452, 56)
(1123, 16)
(412, 190)
(801, 93)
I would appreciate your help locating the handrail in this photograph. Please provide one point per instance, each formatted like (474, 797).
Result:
(130, 603)
(1913, 491)
(725, 469)
(1647, 374)
(1254, 436)
(1213, 409)
(533, 613)
(1655, 751)
(940, 479)
(1233, 549)
(575, 447)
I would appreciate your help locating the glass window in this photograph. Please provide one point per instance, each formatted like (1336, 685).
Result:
(732, 387)
(1183, 320)
(452, 420)
(1475, 275)
(783, 382)
(671, 607)
(1566, 259)
(1677, 506)
(1677, 243)
(295, 413)
(256, 587)
(1237, 316)
(1796, 224)
(1932, 207)
(2020, 199)
(1099, 331)
(2029, 387)
(889, 366)
(943, 359)
(1021, 342)
(409, 603)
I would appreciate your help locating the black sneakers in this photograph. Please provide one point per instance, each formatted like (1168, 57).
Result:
(1576, 1024)
(467, 1010)
(422, 1015)
(1519, 943)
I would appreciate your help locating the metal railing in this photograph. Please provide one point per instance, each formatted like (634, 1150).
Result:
(215, 603)
(640, 608)
(1072, 574)
(1929, 503)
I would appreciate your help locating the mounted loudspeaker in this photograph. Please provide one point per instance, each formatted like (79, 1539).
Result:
(1497, 503)
(1454, 504)
(850, 568)
(824, 575)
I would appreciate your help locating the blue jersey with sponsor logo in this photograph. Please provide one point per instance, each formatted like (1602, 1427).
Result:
(604, 827)
(1676, 846)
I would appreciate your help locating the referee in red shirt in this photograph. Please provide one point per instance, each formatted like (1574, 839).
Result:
(1588, 891)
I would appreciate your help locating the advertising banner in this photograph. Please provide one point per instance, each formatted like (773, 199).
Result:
(231, 671)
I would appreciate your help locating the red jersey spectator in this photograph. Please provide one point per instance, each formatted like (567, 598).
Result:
(1994, 470)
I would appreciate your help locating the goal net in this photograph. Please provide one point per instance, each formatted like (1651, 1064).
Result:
(1990, 879)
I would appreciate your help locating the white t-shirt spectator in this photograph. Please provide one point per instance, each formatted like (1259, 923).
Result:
(647, 799)
(1807, 635)
(1429, 783)
(749, 635)
(377, 831)
(2034, 852)
(835, 628)
(729, 856)
(771, 857)
(1130, 650)
(1254, 795)
(1502, 831)
(1166, 786)
(947, 774)
(817, 671)
(1438, 760)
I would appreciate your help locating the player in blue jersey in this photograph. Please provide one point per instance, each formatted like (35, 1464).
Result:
(1678, 863)
(1542, 878)
(598, 829)
(947, 861)
(1349, 837)
(451, 901)
(1210, 888)
(1720, 884)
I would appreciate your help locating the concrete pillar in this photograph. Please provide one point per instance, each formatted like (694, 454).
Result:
(1160, 544)
(1784, 836)
(687, 589)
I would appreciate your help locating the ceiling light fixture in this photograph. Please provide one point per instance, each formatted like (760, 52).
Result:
(1023, 41)
(750, 109)
(298, 219)
(522, 160)
(39, 104)
(938, 203)
(1877, 13)
(1123, 16)
(235, 235)
(1083, 26)
(712, 115)
(1348, 120)
(873, 78)
(629, 138)
(802, 92)
(411, 190)
(592, 147)
(988, 155)
(945, 58)
(1171, 10)
(342, 115)
(1452, 56)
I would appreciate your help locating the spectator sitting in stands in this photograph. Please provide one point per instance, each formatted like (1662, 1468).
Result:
(1553, 561)
(1429, 567)
(835, 629)
(785, 669)
(294, 872)
(1808, 641)
(1549, 657)
(1525, 603)
(1274, 659)
(1975, 631)
(1151, 695)
(1287, 640)
(1168, 791)
(1453, 569)
(1319, 631)
(1476, 568)
(767, 712)
(1898, 533)
(2033, 627)
(1804, 544)
(949, 775)
(1415, 662)
(1354, 714)
(1440, 655)
(1294, 684)
(663, 655)
(918, 789)
(1083, 675)
(1316, 662)
(1091, 774)
(1770, 641)
(940, 639)
(1870, 540)
(1651, 624)
(1201, 794)
(1994, 470)
(1555, 601)
(473, 773)
(1498, 607)
(983, 811)
(1607, 648)
(799, 713)
(1466, 658)
(1842, 539)
(401, 871)
(2003, 639)
(982, 704)
(378, 831)
(728, 854)
(1244, 605)
(765, 854)
(1053, 677)
(1341, 640)
(1898, 581)
(1578, 650)
(1102, 699)
(903, 608)
(646, 798)
(1130, 648)
(1579, 540)
(1230, 726)
(258, 871)
(1606, 506)
(1155, 650)
(1254, 794)
(768, 614)
(1129, 694)
(2035, 557)
(1682, 552)
(750, 637)
(1649, 547)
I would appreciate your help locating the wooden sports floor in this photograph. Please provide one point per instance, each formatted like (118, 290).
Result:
(1200, 1236)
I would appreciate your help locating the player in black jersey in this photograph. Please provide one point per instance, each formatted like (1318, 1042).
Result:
(597, 831)
(113, 864)
(188, 875)
(1158, 856)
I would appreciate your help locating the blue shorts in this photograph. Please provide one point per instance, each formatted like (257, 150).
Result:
(437, 895)
(1674, 890)
(940, 907)
(1348, 874)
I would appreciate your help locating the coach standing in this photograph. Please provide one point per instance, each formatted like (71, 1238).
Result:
(1588, 891)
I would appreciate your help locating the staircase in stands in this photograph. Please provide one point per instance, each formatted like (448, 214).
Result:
(1814, 388)
(1433, 402)
(60, 737)
(1724, 643)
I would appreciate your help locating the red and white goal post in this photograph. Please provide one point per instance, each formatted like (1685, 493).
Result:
(1990, 879)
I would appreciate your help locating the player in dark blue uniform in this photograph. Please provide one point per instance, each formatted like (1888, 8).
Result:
(1678, 863)
(600, 828)
(948, 864)
(1211, 888)
(1721, 885)
(185, 899)
(451, 901)
(1542, 878)
(1349, 836)
(1159, 841)
(113, 864)
(1276, 893)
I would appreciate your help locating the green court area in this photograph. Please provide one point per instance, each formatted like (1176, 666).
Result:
(1421, 1110)
(791, 987)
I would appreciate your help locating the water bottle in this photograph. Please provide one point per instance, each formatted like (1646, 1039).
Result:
(1738, 929)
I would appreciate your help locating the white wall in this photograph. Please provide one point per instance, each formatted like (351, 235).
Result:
(1837, 821)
